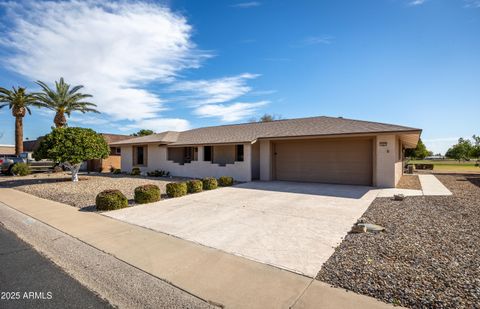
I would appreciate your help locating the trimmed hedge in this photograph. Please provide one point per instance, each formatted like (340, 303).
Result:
(176, 189)
(117, 171)
(225, 181)
(20, 169)
(110, 200)
(158, 173)
(209, 183)
(424, 166)
(195, 186)
(147, 194)
(135, 171)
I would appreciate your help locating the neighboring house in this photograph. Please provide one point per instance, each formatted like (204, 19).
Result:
(31, 146)
(6, 150)
(104, 165)
(317, 149)
(114, 159)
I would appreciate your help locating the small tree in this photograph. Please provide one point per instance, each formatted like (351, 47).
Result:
(476, 147)
(143, 132)
(72, 146)
(461, 150)
(420, 152)
(268, 118)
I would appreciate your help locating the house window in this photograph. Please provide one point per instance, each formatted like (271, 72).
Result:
(118, 150)
(139, 155)
(207, 153)
(238, 152)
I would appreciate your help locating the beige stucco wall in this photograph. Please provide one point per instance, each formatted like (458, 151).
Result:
(127, 160)
(224, 154)
(388, 166)
(157, 160)
(176, 154)
(265, 160)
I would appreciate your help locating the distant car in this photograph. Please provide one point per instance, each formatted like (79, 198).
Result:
(7, 163)
(435, 158)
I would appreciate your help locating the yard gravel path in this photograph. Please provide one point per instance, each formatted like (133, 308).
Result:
(409, 182)
(427, 258)
(59, 187)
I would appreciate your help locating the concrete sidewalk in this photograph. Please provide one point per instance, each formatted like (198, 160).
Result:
(212, 275)
(430, 186)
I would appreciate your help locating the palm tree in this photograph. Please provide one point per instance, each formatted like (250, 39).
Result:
(19, 101)
(64, 100)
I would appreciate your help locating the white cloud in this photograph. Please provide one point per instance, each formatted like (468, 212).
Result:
(314, 40)
(472, 3)
(158, 125)
(88, 120)
(219, 90)
(229, 113)
(113, 48)
(246, 5)
(416, 2)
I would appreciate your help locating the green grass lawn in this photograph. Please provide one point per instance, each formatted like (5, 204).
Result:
(449, 165)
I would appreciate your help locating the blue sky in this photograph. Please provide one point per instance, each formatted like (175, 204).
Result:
(184, 64)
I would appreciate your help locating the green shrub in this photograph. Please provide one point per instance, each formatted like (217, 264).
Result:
(195, 186)
(111, 200)
(209, 183)
(158, 173)
(117, 171)
(424, 166)
(20, 169)
(135, 171)
(225, 181)
(147, 194)
(176, 189)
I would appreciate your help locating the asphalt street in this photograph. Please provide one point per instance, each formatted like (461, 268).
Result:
(29, 280)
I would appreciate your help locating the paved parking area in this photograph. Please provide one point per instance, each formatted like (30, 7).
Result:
(294, 226)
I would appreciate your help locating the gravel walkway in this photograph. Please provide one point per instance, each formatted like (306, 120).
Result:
(409, 182)
(429, 256)
(59, 187)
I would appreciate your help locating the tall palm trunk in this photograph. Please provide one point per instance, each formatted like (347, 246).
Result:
(60, 120)
(18, 135)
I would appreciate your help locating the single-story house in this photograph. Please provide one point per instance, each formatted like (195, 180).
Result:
(316, 149)
(7, 150)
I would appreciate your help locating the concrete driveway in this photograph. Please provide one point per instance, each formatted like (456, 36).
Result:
(291, 225)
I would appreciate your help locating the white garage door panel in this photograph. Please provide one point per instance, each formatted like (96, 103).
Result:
(343, 161)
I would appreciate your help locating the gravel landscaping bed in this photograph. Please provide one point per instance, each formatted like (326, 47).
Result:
(59, 187)
(409, 182)
(429, 257)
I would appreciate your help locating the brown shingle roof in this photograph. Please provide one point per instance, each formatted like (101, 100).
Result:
(249, 132)
(112, 138)
(164, 137)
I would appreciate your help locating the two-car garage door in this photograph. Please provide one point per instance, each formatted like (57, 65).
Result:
(342, 161)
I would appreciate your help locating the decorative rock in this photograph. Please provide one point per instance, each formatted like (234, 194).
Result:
(359, 229)
(398, 197)
(372, 227)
